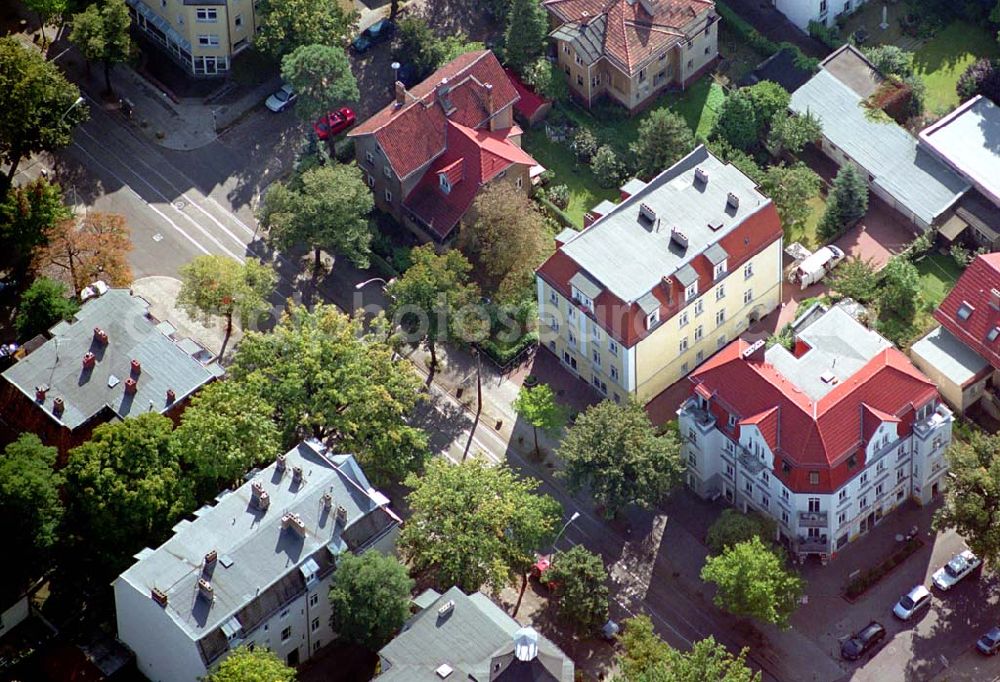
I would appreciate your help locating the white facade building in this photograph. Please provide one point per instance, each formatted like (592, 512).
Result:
(801, 12)
(826, 439)
(253, 569)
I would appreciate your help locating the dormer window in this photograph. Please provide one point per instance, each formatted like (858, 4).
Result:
(690, 292)
(652, 319)
(445, 185)
(582, 299)
(720, 269)
(994, 333)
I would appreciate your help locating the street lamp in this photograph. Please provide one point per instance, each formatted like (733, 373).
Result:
(74, 105)
(573, 518)
(361, 285)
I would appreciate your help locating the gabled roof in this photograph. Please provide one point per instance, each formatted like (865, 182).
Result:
(472, 158)
(767, 423)
(973, 293)
(627, 32)
(414, 134)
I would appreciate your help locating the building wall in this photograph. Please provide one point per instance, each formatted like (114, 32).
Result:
(801, 12)
(958, 397)
(14, 614)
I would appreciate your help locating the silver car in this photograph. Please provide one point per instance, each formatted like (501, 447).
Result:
(281, 100)
(912, 602)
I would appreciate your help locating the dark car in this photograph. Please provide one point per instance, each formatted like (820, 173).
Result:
(989, 643)
(862, 642)
(378, 32)
(333, 123)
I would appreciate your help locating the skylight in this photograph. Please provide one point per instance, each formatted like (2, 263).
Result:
(994, 333)
(965, 310)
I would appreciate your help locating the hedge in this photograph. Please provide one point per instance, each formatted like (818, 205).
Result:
(762, 43)
(561, 216)
(382, 266)
(869, 578)
(502, 356)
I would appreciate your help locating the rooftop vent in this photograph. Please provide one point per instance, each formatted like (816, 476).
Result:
(100, 336)
(171, 396)
(58, 406)
(211, 558)
(715, 225)
(206, 590)
(40, 392)
(341, 513)
(89, 359)
(446, 608)
(828, 377)
(732, 201)
(327, 501)
(646, 212)
(130, 386)
(259, 497)
(678, 238)
(296, 474)
(279, 463)
(159, 596)
(293, 521)
(135, 367)
(701, 176)
(444, 670)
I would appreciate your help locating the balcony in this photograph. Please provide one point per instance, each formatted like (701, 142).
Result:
(749, 462)
(941, 416)
(816, 519)
(702, 418)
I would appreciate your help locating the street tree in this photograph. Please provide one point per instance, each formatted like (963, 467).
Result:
(370, 598)
(751, 581)
(38, 104)
(124, 491)
(473, 524)
(972, 499)
(327, 208)
(433, 301)
(791, 188)
(855, 278)
(614, 450)
(737, 121)
(252, 665)
(31, 509)
(526, 33)
(329, 379)
(225, 431)
(505, 242)
(283, 25)
(93, 248)
(846, 203)
(899, 287)
(537, 405)
(220, 286)
(101, 32)
(733, 527)
(581, 582)
(46, 11)
(27, 214)
(792, 132)
(647, 658)
(664, 138)
(321, 76)
(42, 305)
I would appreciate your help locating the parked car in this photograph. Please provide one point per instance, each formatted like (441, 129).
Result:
(912, 602)
(333, 123)
(989, 643)
(814, 267)
(961, 565)
(281, 100)
(378, 32)
(863, 641)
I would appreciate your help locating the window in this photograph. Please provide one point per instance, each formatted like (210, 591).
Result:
(572, 338)
(720, 292)
(813, 478)
(764, 478)
(748, 271)
(748, 486)
(814, 503)
(784, 517)
(690, 64)
(880, 467)
(699, 356)
(842, 495)
(720, 270)
(519, 182)
(206, 14)
(721, 342)
(210, 40)
(765, 500)
(698, 332)
(316, 645)
(386, 171)
(841, 518)
(612, 347)
(690, 293)
(732, 421)
(784, 494)
(965, 310)
(571, 312)
(600, 385)
(579, 78)
(684, 368)
(747, 296)
(163, 3)
(864, 478)
(444, 184)
(642, 75)
(652, 319)
(371, 180)
(614, 374)
(730, 470)
(284, 614)
(822, 7)
(699, 307)
(730, 447)
(683, 346)
(720, 317)
(682, 319)
(238, 21)
(661, 57)
(597, 357)
(369, 158)
(577, 59)
(900, 475)
(313, 599)
(388, 196)
(878, 490)
(863, 502)
(595, 80)
(692, 460)
(566, 45)
(286, 633)
(314, 626)
(690, 44)
(693, 436)
(553, 299)
(708, 49)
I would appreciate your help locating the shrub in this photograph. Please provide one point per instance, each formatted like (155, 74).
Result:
(824, 34)
(608, 168)
(584, 144)
(402, 259)
(559, 195)
(961, 255)
(919, 246)
(982, 77)
(545, 78)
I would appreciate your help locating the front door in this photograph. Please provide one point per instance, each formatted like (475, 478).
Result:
(293, 657)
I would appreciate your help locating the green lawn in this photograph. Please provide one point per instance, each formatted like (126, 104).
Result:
(806, 235)
(938, 273)
(943, 59)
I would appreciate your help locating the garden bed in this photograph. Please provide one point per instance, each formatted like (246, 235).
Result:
(857, 587)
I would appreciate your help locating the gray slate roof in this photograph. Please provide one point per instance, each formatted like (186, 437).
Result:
(587, 39)
(132, 335)
(629, 257)
(258, 552)
(468, 639)
(949, 356)
(840, 346)
(907, 172)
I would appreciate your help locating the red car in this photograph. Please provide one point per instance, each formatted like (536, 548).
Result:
(333, 123)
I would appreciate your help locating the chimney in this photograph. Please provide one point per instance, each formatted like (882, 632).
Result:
(646, 212)
(259, 497)
(279, 464)
(732, 201)
(400, 94)
(701, 176)
(442, 88)
(136, 368)
(327, 501)
(89, 359)
(445, 609)
(58, 406)
(293, 521)
(211, 558)
(171, 396)
(755, 351)
(489, 105)
(100, 336)
(205, 590)
(130, 386)
(40, 392)
(296, 474)
(678, 238)
(341, 513)
(159, 596)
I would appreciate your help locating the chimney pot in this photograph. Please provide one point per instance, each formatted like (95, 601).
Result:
(40, 392)
(159, 596)
(205, 589)
(171, 396)
(296, 474)
(327, 501)
(58, 406)
(400, 94)
(279, 463)
(136, 367)
(341, 513)
(100, 336)
(89, 359)
(130, 386)
(211, 557)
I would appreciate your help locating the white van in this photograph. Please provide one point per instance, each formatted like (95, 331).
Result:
(813, 268)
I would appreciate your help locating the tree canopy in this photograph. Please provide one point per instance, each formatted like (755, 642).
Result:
(46, 10)
(38, 104)
(537, 405)
(321, 76)
(972, 499)
(370, 598)
(791, 188)
(329, 379)
(855, 278)
(525, 36)
(43, 304)
(101, 32)
(31, 509)
(792, 132)
(27, 215)
(283, 25)
(664, 138)
(899, 287)
(581, 582)
(737, 121)
(326, 209)
(93, 248)
(751, 580)
(124, 490)
(733, 527)
(256, 665)
(416, 44)
(614, 451)
(476, 524)
(846, 204)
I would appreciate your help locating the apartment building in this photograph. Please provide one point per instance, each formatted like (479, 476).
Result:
(801, 12)
(826, 438)
(202, 36)
(632, 50)
(660, 281)
(253, 569)
(427, 155)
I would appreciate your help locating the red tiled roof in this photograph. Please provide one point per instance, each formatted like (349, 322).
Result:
(529, 101)
(815, 436)
(414, 134)
(974, 287)
(472, 158)
(632, 33)
(767, 423)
